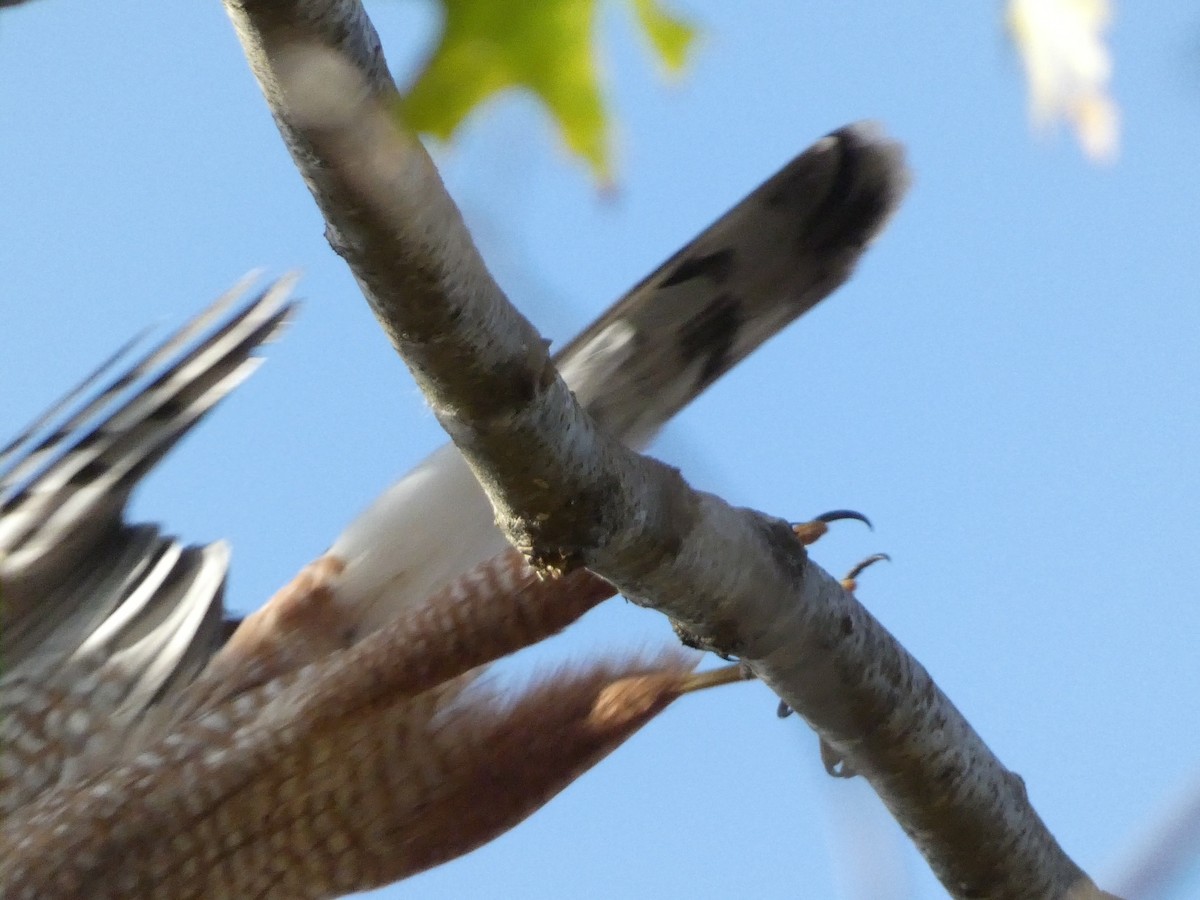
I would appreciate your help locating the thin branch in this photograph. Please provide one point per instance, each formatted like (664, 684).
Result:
(567, 495)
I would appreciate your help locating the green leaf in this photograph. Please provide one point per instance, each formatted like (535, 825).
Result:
(671, 36)
(544, 46)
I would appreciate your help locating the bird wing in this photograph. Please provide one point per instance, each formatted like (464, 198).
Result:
(100, 619)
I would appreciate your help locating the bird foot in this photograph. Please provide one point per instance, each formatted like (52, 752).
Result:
(850, 582)
(810, 532)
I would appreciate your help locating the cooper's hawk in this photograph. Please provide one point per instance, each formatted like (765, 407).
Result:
(151, 747)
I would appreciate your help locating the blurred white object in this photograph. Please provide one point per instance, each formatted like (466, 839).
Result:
(1069, 68)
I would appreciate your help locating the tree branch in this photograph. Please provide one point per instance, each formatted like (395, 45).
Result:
(567, 494)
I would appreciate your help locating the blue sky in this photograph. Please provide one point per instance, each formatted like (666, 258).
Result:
(1003, 388)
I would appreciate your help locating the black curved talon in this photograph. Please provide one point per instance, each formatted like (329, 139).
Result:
(836, 515)
(809, 532)
(850, 582)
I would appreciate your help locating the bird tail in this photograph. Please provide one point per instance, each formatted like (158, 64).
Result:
(772, 257)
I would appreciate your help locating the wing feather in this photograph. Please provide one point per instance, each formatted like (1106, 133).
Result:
(100, 620)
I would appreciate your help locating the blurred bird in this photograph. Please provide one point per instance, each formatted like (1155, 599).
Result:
(337, 739)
